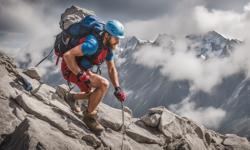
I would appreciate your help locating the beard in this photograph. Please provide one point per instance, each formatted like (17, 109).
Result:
(109, 44)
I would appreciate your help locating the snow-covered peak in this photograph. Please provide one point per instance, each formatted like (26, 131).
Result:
(162, 39)
(130, 43)
(211, 44)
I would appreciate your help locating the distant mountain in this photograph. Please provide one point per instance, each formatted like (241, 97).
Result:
(149, 88)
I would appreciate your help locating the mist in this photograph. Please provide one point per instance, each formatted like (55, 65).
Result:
(183, 64)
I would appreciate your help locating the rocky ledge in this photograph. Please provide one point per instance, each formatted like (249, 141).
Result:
(40, 119)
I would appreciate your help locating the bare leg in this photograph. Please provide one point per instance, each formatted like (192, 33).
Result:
(101, 84)
(82, 95)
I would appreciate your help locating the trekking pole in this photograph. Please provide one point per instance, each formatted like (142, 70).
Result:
(44, 58)
(123, 126)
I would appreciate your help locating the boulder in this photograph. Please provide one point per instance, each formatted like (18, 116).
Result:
(34, 133)
(151, 120)
(7, 83)
(188, 142)
(62, 90)
(53, 116)
(128, 110)
(33, 73)
(157, 110)
(235, 142)
(44, 93)
(113, 140)
(8, 120)
(142, 135)
(169, 125)
(111, 117)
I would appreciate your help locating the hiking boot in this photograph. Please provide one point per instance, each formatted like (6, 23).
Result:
(69, 98)
(90, 120)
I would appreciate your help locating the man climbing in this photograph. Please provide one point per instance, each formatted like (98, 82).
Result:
(78, 61)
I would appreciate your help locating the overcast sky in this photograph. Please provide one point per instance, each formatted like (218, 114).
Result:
(31, 25)
(125, 10)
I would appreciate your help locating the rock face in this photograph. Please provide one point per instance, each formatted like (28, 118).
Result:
(40, 119)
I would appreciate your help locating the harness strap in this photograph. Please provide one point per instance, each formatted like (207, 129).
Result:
(44, 58)
(99, 70)
(67, 74)
(59, 55)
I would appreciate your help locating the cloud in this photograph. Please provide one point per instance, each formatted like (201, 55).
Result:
(183, 64)
(194, 17)
(34, 29)
(38, 22)
(229, 23)
(179, 23)
(208, 116)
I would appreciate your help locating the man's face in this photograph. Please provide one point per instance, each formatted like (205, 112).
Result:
(113, 42)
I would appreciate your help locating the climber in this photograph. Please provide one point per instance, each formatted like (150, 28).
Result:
(76, 68)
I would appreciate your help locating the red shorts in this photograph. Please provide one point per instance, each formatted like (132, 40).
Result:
(69, 76)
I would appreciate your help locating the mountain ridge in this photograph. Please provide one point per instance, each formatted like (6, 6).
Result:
(41, 119)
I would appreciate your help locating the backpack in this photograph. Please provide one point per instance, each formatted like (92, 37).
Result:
(76, 23)
(73, 35)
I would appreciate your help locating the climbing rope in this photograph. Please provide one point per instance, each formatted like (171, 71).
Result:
(44, 58)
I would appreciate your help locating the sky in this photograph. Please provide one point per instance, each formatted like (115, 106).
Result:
(29, 26)
(129, 10)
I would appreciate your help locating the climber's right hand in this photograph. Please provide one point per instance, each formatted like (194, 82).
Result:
(83, 77)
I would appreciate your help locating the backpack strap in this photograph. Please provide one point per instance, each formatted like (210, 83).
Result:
(93, 57)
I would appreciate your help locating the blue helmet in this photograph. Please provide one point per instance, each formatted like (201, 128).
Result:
(115, 28)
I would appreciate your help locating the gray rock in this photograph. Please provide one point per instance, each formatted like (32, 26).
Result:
(44, 93)
(188, 142)
(111, 117)
(66, 111)
(195, 142)
(169, 125)
(33, 73)
(35, 83)
(190, 127)
(214, 137)
(157, 110)
(128, 110)
(151, 120)
(61, 90)
(113, 140)
(142, 135)
(36, 134)
(56, 118)
(235, 142)
(7, 83)
(19, 113)
(8, 121)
